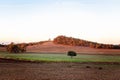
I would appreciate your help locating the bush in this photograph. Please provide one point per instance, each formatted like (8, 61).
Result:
(71, 53)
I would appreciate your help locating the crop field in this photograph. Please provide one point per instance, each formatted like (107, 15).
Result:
(57, 66)
(57, 57)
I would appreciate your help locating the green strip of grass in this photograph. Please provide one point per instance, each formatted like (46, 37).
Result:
(60, 57)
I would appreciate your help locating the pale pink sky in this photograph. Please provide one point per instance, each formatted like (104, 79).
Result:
(36, 20)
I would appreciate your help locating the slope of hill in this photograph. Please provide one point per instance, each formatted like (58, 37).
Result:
(49, 46)
(2, 48)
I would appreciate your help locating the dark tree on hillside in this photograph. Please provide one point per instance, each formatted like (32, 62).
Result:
(71, 53)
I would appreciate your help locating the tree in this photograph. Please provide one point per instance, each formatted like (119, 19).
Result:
(12, 48)
(16, 48)
(71, 53)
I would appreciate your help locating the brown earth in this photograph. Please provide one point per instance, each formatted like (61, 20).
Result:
(57, 48)
(25, 70)
(2, 49)
(12, 70)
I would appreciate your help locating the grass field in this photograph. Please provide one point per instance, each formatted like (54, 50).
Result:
(60, 57)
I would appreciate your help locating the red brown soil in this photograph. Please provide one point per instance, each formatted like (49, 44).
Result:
(57, 48)
(25, 70)
(2, 49)
(12, 70)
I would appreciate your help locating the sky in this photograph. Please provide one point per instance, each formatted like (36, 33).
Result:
(38, 20)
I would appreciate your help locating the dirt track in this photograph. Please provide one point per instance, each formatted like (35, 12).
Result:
(13, 70)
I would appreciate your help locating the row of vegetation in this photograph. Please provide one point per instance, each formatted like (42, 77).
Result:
(80, 42)
(2, 45)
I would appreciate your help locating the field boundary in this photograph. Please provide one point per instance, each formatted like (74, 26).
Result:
(4, 60)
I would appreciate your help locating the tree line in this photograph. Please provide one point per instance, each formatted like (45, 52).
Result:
(80, 42)
(2, 45)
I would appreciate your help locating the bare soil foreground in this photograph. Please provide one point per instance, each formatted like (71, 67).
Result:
(15, 70)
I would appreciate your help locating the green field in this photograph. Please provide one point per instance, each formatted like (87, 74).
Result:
(60, 57)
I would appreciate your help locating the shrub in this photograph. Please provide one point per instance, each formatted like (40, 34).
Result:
(71, 53)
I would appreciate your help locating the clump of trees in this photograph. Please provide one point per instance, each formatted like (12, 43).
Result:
(72, 53)
(16, 48)
(80, 42)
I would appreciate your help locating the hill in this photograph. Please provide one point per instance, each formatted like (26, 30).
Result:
(80, 42)
(2, 48)
(50, 46)
(63, 44)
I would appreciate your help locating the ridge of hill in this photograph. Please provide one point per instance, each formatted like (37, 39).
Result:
(80, 42)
